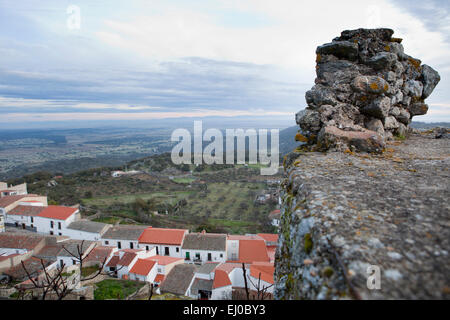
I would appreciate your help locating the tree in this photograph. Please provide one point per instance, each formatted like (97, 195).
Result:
(261, 293)
(58, 282)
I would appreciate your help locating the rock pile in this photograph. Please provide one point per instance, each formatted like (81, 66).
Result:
(367, 91)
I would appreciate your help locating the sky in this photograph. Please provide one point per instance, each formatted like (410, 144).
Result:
(70, 61)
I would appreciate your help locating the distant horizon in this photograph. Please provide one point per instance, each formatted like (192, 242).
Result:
(66, 63)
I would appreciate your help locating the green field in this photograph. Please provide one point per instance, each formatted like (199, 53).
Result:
(105, 201)
(116, 289)
(184, 180)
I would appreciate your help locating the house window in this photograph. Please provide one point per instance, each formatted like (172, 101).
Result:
(51, 232)
(119, 245)
(166, 251)
(197, 256)
(188, 257)
(157, 250)
(146, 248)
(74, 262)
(51, 224)
(233, 256)
(59, 233)
(178, 249)
(106, 242)
(159, 270)
(209, 256)
(31, 219)
(32, 226)
(221, 255)
(59, 225)
(131, 245)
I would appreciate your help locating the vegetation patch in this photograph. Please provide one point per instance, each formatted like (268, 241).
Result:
(116, 289)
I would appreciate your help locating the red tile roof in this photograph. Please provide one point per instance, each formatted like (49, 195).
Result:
(143, 267)
(266, 270)
(269, 237)
(113, 261)
(229, 266)
(253, 250)
(99, 254)
(127, 258)
(159, 278)
(21, 210)
(20, 241)
(57, 212)
(164, 260)
(221, 279)
(8, 200)
(162, 236)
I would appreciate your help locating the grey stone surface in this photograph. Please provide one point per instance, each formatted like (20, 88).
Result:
(364, 75)
(344, 212)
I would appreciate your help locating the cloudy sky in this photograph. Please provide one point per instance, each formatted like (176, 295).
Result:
(154, 59)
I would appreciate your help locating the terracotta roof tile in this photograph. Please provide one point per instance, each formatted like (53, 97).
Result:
(21, 210)
(8, 200)
(159, 278)
(57, 212)
(253, 250)
(266, 270)
(113, 261)
(164, 260)
(127, 258)
(143, 267)
(19, 241)
(221, 279)
(269, 237)
(162, 236)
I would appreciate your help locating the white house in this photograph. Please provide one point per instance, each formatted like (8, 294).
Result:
(54, 220)
(68, 253)
(123, 261)
(204, 247)
(20, 189)
(168, 242)
(23, 215)
(2, 223)
(275, 218)
(123, 236)
(86, 230)
(8, 203)
(143, 270)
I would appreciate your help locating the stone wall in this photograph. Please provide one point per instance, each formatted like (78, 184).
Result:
(367, 91)
(345, 212)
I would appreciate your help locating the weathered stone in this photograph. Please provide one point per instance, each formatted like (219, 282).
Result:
(382, 61)
(401, 131)
(390, 123)
(390, 76)
(404, 117)
(365, 141)
(309, 120)
(397, 49)
(390, 211)
(376, 125)
(430, 79)
(363, 76)
(379, 108)
(370, 85)
(319, 96)
(413, 88)
(418, 109)
(340, 49)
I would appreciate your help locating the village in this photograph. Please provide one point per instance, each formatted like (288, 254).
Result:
(39, 242)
